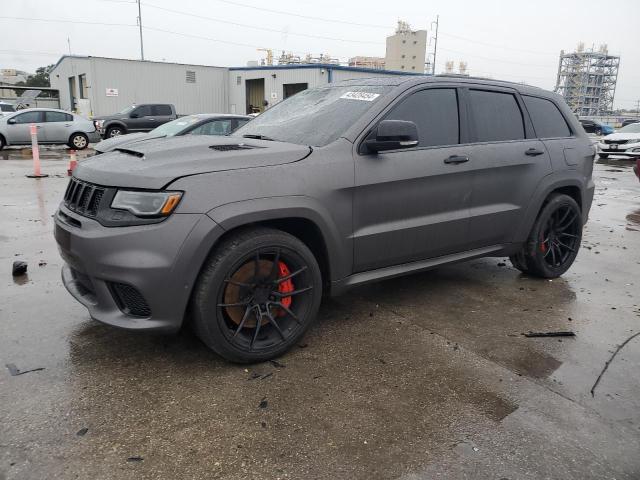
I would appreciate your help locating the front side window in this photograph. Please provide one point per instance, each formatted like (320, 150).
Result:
(57, 117)
(547, 120)
(435, 113)
(317, 116)
(143, 111)
(495, 116)
(28, 117)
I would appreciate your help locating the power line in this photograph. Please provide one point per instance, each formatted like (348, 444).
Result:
(255, 27)
(79, 22)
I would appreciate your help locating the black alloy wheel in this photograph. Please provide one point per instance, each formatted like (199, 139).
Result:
(257, 295)
(554, 240)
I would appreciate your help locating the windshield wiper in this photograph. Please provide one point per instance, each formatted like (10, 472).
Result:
(258, 137)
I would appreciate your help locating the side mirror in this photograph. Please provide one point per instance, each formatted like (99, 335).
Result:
(134, 115)
(393, 135)
(11, 121)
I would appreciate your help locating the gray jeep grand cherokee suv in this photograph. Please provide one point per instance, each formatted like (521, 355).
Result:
(334, 187)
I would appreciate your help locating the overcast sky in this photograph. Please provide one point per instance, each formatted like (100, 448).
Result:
(512, 40)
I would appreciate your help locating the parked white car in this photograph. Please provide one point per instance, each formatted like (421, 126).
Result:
(55, 127)
(6, 108)
(625, 141)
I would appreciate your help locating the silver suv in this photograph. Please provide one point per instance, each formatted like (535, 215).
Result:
(334, 187)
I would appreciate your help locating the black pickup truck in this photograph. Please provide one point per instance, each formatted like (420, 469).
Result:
(135, 118)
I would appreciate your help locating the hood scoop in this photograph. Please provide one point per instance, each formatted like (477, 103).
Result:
(130, 152)
(231, 147)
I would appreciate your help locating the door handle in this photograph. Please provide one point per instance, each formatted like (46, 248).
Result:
(533, 152)
(67, 124)
(455, 159)
(151, 119)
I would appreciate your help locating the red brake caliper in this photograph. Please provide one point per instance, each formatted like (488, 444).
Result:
(284, 287)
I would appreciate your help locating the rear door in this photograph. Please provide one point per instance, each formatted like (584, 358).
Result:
(508, 163)
(18, 133)
(58, 127)
(412, 204)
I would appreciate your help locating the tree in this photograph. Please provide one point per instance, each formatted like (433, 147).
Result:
(40, 79)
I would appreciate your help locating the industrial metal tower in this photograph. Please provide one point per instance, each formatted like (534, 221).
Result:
(587, 80)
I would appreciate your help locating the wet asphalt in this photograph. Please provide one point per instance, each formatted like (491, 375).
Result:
(423, 377)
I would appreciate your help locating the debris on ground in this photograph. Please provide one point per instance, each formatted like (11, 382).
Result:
(263, 403)
(606, 365)
(261, 376)
(82, 432)
(42, 263)
(19, 268)
(135, 458)
(15, 371)
(549, 334)
(276, 364)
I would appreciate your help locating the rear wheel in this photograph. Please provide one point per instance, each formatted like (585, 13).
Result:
(257, 295)
(79, 141)
(554, 240)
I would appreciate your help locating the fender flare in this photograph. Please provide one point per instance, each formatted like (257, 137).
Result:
(338, 246)
(115, 123)
(550, 183)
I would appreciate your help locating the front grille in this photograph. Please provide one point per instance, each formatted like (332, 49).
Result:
(228, 148)
(130, 300)
(618, 142)
(83, 198)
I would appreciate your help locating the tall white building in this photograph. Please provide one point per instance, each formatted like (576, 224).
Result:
(406, 49)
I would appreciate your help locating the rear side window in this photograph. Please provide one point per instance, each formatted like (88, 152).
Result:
(496, 116)
(162, 110)
(547, 120)
(57, 117)
(435, 113)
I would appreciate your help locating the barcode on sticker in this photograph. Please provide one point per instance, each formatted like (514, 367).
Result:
(364, 96)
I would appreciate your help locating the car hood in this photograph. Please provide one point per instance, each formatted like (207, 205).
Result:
(115, 142)
(155, 164)
(622, 136)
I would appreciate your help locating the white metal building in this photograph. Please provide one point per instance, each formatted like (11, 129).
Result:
(95, 86)
(101, 86)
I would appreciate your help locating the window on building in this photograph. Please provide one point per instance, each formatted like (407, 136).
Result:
(238, 80)
(161, 110)
(29, 117)
(496, 116)
(547, 120)
(435, 113)
(191, 76)
(57, 117)
(84, 88)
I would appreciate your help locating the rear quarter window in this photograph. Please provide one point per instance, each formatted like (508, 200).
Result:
(547, 120)
(496, 116)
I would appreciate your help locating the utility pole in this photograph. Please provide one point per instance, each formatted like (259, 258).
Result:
(69, 44)
(140, 26)
(435, 46)
(637, 106)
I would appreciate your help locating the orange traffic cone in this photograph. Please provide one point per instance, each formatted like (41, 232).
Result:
(73, 162)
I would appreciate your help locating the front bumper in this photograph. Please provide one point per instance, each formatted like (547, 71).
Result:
(160, 261)
(626, 149)
(94, 137)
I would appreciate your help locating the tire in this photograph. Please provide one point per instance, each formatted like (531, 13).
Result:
(598, 131)
(603, 155)
(554, 241)
(229, 305)
(78, 141)
(115, 131)
(2, 142)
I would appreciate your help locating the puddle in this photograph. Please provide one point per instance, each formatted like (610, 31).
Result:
(21, 279)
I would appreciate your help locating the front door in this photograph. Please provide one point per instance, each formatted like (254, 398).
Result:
(255, 95)
(141, 122)
(413, 204)
(19, 133)
(508, 164)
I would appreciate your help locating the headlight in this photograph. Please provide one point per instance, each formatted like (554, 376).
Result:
(146, 204)
(98, 123)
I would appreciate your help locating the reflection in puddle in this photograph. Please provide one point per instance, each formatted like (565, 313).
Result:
(21, 279)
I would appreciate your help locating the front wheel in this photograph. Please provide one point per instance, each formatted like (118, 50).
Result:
(115, 132)
(554, 240)
(257, 295)
(598, 131)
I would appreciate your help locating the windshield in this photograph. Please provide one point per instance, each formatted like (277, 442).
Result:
(632, 128)
(315, 117)
(127, 110)
(174, 127)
